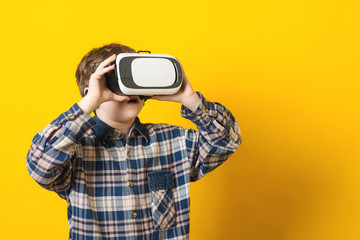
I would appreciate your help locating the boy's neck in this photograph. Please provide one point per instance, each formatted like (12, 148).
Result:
(124, 128)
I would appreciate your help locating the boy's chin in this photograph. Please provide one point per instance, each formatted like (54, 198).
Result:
(123, 120)
(129, 116)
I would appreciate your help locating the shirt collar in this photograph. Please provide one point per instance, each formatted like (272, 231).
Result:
(102, 129)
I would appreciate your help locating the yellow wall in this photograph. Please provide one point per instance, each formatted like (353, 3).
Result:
(287, 69)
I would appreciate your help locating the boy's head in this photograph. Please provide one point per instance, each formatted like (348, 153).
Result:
(111, 110)
(92, 59)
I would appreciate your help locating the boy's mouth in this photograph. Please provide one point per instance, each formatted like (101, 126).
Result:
(134, 100)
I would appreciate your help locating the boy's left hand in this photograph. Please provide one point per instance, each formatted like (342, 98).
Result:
(186, 94)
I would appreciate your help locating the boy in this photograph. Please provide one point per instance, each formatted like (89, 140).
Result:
(123, 179)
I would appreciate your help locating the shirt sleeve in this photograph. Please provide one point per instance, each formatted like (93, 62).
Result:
(49, 162)
(217, 138)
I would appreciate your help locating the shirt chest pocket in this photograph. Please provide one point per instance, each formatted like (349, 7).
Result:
(161, 186)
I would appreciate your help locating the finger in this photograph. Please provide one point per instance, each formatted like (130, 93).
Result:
(105, 70)
(107, 61)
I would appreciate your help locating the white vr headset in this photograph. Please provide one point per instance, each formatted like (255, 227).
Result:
(145, 75)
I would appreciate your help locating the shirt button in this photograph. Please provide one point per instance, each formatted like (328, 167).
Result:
(128, 154)
(134, 214)
(131, 184)
(70, 115)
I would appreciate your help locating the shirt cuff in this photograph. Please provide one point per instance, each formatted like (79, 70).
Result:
(76, 123)
(203, 114)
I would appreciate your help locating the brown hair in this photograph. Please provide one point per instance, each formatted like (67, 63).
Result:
(92, 59)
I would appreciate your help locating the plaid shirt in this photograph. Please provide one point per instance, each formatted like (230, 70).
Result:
(138, 188)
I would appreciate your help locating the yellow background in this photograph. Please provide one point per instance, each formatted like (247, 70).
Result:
(287, 69)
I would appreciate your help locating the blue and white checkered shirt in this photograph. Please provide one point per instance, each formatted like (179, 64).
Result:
(138, 188)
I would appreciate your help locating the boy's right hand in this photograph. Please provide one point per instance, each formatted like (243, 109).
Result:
(97, 90)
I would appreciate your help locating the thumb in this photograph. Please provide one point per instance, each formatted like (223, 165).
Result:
(117, 97)
(159, 97)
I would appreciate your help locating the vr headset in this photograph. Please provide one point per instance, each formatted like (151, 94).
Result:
(145, 75)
